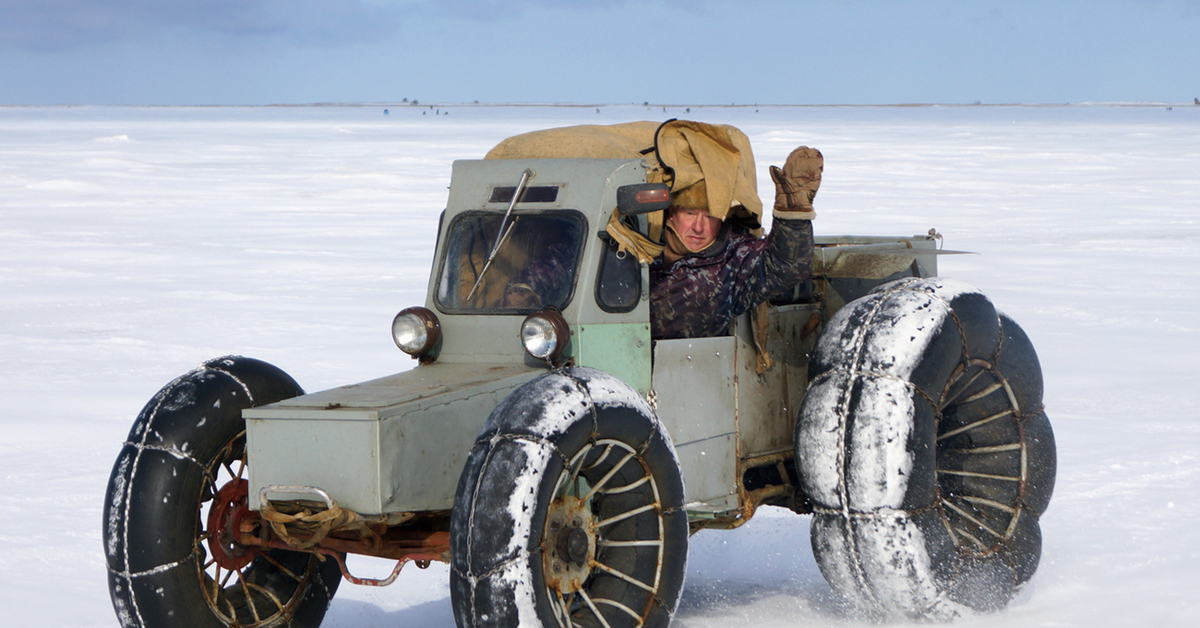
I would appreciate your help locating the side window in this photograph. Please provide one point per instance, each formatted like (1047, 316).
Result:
(619, 285)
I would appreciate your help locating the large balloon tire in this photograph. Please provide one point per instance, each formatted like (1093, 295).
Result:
(533, 545)
(185, 457)
(925, 451)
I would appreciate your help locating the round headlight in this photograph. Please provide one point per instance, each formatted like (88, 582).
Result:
(545, 334)
(416, 331)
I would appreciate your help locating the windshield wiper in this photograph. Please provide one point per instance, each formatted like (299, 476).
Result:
(503, 233)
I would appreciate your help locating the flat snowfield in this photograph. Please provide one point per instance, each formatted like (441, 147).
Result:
(137, 242)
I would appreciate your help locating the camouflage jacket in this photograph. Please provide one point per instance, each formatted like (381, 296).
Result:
(698, 295)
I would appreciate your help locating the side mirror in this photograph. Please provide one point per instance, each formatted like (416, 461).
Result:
(642, 198)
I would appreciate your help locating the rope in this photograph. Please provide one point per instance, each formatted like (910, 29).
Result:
(289, 520)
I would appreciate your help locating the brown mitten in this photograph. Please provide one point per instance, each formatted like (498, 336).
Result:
(797, 182)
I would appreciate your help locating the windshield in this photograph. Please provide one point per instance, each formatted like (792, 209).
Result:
(533, 267)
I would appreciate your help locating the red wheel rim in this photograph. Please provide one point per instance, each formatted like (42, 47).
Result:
(230, 506)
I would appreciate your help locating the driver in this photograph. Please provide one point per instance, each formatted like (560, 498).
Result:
(710, 271)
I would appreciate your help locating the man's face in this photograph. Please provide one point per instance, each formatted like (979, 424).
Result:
(692, 227)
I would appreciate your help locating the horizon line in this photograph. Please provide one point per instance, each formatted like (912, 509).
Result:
(416, 103)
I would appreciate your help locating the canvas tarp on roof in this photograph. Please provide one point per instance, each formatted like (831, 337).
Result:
(679, 153)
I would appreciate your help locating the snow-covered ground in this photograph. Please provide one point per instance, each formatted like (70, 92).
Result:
(137, 242)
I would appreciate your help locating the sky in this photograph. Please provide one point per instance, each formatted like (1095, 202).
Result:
(260, 52)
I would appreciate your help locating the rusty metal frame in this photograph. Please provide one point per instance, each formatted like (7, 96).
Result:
(401, 543)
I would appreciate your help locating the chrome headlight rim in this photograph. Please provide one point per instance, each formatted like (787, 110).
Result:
(425, 327)
(545, 322)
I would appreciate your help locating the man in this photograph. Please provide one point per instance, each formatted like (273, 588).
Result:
(711, 271)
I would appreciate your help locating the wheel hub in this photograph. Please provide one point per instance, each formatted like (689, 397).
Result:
(569, 544)
(573, 545)
(230, 506)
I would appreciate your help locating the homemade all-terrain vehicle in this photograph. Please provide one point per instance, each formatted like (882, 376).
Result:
(558, 459)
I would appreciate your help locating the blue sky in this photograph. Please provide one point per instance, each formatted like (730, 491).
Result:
(175, 52)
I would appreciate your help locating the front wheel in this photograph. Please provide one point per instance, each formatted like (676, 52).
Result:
(569, 511)
(175, 498)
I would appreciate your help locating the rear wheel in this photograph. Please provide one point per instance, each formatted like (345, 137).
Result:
(569, 511)
(924, 447)
(176, 497)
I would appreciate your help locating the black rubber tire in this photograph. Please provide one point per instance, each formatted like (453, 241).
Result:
(924, 448)
(186, 444)
(570, 423)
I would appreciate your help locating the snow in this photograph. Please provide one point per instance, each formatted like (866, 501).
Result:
(524, 494)
(897, 574)
(514, 574)
(875, 343)
(606, 391)
(138, 242)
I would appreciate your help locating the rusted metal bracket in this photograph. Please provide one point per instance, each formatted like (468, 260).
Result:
(369, 582)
